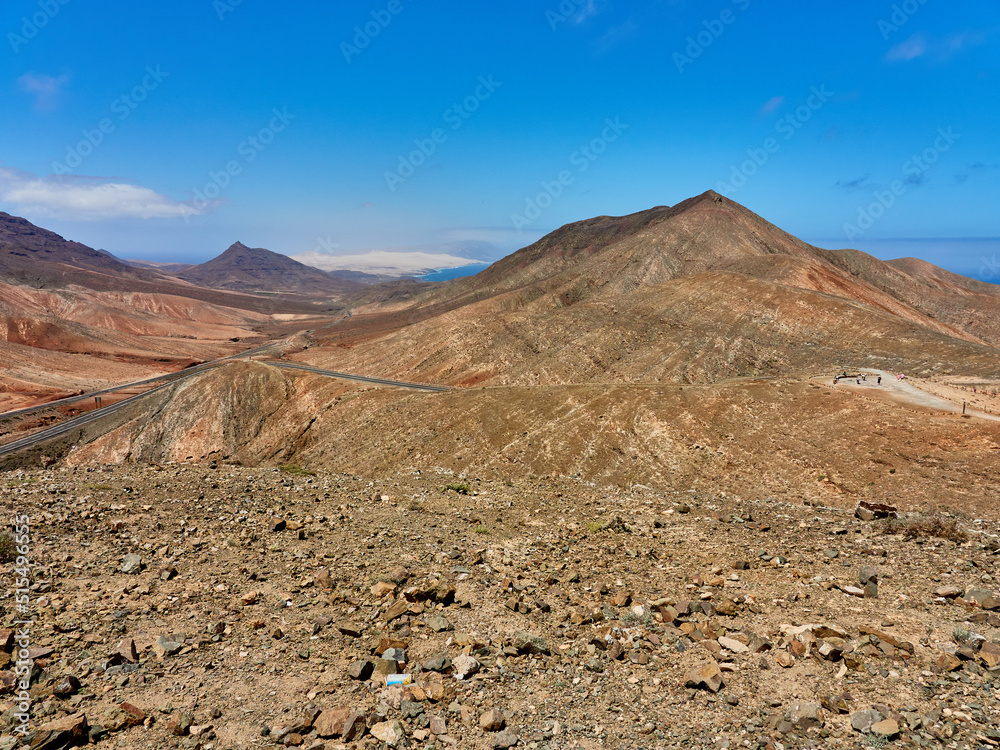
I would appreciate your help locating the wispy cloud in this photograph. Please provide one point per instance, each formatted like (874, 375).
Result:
(86, 199)
(47, 90)
(588, 10)
(955, 43)
(615, 35)
(912, 48)
(772, 105)
(938, 49)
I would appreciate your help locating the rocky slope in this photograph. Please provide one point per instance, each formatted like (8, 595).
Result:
(695, 293)
(798, 437)
(228, 608)
(37, 257)
(68, 340)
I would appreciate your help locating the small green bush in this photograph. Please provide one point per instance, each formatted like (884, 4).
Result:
(460, 487)
(296, 470)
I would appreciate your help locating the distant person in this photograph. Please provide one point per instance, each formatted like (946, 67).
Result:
(859, 381)
(880, 380)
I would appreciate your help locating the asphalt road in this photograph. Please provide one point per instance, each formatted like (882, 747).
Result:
(168, 378)
(75, 423)
(361, 378)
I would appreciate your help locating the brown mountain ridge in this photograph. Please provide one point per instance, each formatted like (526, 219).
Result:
(697, 292)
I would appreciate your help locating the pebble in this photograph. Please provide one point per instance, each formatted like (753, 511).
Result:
(887, 728)
(526, 643)
(863, 720)
(707, 677)
(505, 739)
(132, 564)
(492, 720)
(389, 732)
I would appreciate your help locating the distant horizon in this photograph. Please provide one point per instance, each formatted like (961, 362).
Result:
(404, 124)
(973, 257)
(977, 257)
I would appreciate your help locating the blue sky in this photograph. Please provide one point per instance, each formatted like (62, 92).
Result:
(168, 131)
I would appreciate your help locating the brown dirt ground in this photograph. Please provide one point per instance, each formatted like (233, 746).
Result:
(545, 555)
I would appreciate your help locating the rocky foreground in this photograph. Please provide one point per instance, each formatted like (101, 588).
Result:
(223, 607)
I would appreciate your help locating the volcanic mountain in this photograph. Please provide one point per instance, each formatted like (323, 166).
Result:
(37, 257)
(73, 318)
(249, 269)
(698, 292)
(619, 349)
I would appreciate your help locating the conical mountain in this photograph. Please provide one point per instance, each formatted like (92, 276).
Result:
(249, 269)
(700, 291)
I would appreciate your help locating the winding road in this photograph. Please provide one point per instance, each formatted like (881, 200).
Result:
(168, 378)
(899, 390)
(75, 423)
(164, 381)
(361, 378)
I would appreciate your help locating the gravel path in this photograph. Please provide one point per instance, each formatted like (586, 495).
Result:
(905, 392)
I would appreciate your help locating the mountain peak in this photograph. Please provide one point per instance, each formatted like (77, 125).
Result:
(713, 196)
(707, 232)
(243, 268)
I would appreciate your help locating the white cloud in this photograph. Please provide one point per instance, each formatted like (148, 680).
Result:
(955, 43)
(939, 49)
(46, 89)
(86, 199)
(772, 105)
(588, 10)
(399, 263)
(912, 48)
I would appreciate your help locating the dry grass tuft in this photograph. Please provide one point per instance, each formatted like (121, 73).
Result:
(926, 526)
(8, 549)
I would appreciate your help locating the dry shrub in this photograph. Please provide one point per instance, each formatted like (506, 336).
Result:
(926, 526)
(8, 550)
